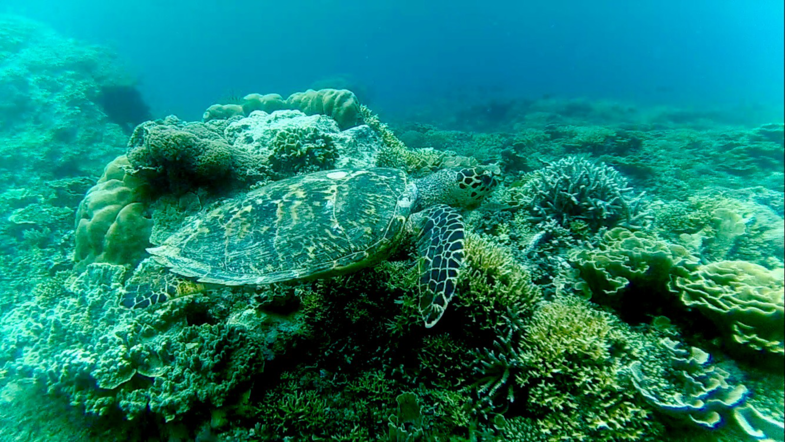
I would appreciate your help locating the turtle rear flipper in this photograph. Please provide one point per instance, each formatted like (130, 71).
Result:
(440, 244)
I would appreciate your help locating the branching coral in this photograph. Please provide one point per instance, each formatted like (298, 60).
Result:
(492, 283)
(573, 189)
(573, 359)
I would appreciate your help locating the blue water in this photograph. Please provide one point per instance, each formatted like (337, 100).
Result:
(189, 54)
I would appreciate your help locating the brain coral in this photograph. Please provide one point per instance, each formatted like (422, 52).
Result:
(111, 224)
(574, 189)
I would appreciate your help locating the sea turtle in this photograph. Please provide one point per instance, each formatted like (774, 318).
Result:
(329, 223)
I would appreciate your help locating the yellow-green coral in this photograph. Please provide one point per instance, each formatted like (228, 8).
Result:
(623, 257)
(745, 300)
(111, 223)
(492, 282)
(572, 375)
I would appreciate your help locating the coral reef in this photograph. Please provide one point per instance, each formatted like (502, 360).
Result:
(101, 342)
(52, 123)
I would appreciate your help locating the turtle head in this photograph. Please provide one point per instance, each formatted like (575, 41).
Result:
(473, 184)
(463, 188)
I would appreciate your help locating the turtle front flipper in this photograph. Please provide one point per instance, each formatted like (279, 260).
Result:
(440, 244)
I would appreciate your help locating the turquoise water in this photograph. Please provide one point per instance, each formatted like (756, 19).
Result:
(197, 245)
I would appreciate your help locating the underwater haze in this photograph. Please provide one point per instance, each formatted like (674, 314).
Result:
(190, 54)
(246, 221)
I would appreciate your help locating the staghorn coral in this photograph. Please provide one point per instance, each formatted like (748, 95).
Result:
(573, 189)
(687, 386)
(743, 299)
(111, 222)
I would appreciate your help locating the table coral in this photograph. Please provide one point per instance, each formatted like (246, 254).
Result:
(684, 384)
(743, 299)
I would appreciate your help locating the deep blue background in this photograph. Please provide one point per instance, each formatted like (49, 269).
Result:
(189, 54)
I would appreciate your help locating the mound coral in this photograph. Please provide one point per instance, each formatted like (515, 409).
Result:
(744, 300)
(111, 223)
(180, 156)
(339, 104)
(574, 189)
